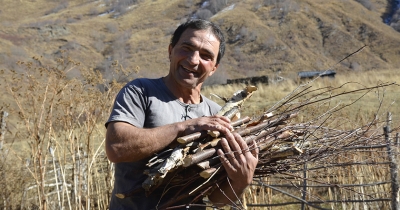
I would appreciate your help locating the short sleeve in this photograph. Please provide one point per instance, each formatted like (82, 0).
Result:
(129, 105)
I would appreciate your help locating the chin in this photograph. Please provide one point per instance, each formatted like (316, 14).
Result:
(190, 84)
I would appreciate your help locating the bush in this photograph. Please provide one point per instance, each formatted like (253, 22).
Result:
(217, 5)
(396, 26)
(71, 20)
(204, 14)
(120, 7)
(18, 52)
(99, 45)
(188, 3)
(93, 11)
(366, 3)
(395, 21)
(269, 2)
(112, 27)
(62, 5)
(71, 45)
(218, 78)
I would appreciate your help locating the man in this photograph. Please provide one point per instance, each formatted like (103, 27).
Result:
(149, 114)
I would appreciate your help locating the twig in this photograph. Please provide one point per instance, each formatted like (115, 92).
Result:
(290, 195)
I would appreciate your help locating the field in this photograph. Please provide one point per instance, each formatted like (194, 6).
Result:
(52, 153)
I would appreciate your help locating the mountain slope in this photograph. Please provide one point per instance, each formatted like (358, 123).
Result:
(270, 37)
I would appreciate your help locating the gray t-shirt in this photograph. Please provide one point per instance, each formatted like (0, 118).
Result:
(148, 103)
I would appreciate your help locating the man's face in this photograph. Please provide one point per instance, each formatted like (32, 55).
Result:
(194, 57)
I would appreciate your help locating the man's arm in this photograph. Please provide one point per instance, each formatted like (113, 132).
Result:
(127, 143)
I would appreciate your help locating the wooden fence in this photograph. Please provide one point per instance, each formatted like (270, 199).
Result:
(385, 199)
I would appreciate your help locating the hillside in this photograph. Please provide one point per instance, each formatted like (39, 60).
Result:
(270, 37)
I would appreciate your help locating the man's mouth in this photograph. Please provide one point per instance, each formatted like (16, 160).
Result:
(188, 70)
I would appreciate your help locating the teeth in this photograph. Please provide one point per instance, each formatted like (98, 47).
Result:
(188, 70)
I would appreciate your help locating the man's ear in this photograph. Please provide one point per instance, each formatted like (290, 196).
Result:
(213, 70)
(169, 51)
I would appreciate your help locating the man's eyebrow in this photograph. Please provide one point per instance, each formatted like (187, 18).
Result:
(192, 45)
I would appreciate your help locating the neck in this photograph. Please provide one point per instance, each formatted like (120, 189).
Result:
(187, 95)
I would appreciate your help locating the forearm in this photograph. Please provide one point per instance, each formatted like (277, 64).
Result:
(127, 143)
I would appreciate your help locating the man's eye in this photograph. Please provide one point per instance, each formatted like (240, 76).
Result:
(186, 48)
(206, 57)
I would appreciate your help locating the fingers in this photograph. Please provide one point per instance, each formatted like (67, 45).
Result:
(235, 149)
(213, 123)
(238, 159)
(255, 150)
(222, 123)
(239, 146)
(226, 157)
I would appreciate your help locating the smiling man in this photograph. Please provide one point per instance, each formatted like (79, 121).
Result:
(149, 114)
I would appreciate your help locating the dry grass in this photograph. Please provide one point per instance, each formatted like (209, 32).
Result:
(53, 157)
(362, 111)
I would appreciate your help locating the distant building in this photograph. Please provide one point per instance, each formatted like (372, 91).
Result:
(312, 74)
(249, 80)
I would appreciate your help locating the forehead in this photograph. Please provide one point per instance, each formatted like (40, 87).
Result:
(201, 38)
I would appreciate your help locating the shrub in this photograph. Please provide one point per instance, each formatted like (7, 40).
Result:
(395, 21)
(188, 3)
(120, 7)
(218, 78)
(204, 14)
(71, 45)
(366, 3)
(71, 20)
(355, 66)
(18, 51)
(396, 26)
(217, 5)
(62, 5)
(99, 45)
(93, 11)
(112, 27)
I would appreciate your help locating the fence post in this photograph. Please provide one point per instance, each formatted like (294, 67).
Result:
(4, 115)
(393, 165)
(304, 196)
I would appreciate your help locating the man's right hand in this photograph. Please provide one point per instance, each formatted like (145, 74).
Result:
(127, 143)
(212, 123)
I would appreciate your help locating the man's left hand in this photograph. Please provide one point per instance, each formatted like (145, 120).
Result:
(239, 160)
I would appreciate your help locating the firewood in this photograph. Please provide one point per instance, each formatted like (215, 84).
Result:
(198, 135)
(191, 137)
(198, 157)
(207, 173)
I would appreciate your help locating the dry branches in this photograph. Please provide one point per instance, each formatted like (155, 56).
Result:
(285, 142)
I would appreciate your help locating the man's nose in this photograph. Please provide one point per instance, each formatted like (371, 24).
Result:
(194, 58)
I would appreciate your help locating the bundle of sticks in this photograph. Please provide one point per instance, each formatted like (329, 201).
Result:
(192, 164)
(197, 152)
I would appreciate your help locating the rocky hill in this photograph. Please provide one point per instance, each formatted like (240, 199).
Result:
(265, 37)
